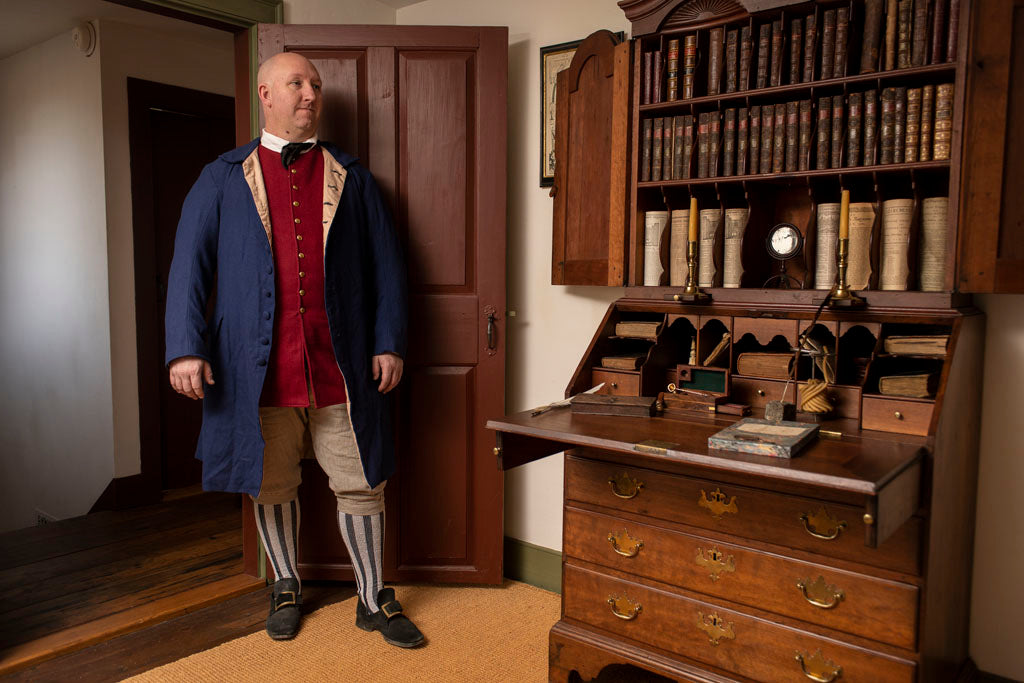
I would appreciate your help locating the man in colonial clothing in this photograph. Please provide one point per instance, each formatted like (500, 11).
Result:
(306, 338)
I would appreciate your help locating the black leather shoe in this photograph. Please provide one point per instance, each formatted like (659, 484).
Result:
(396, 628)
(285, 615)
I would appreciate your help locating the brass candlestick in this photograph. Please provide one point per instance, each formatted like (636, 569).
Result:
(691, 292)
(841, 295)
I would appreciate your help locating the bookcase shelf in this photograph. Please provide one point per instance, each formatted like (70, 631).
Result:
(789, 177)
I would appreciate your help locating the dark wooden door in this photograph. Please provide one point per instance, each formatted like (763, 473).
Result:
(173, 133)
(425, 110)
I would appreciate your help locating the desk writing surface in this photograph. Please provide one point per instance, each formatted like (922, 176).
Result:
(855, 464)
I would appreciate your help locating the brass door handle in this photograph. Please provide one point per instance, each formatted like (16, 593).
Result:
(624, 608)
(490, 330)
(819, 593)
(819, 669)
(624, 486)
(624, 545)
(822, 525)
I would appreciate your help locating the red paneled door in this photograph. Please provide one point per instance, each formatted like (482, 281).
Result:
(424, 109)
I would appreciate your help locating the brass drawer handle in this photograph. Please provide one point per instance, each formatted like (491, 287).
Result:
(624, 608)
(822, 525)
(615, 385)
(760, 392)
(898, 415)
(624, 486)
(716, 562)
(715, 503)
(715, 627)
(819, 593)
(817, 668)
(624, 545)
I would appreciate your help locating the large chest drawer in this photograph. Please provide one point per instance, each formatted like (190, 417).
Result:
(805, 523)
(721, 637)
(873, 608)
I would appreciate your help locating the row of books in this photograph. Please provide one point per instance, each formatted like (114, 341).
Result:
(721, 233)
(915, 125)
(915, 33)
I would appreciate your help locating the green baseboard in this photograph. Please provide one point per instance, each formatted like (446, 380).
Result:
(533, 564)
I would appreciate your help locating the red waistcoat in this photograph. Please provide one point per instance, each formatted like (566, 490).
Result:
(302, 339)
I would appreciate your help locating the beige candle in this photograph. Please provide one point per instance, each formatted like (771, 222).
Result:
(844, 216)
(693, 220)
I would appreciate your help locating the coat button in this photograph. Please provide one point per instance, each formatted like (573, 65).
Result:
(266, 316)
(264, 341)
(270, 270)
(261, 362)
(266, 294)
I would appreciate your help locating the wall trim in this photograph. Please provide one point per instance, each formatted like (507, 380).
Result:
(533, 564)
(237, 14)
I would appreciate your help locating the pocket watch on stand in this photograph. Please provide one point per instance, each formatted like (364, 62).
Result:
(784, 243)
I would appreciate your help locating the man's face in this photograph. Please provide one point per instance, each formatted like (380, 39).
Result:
(290, 94)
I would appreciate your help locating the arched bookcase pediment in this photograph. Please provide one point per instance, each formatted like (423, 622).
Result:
(652, 16)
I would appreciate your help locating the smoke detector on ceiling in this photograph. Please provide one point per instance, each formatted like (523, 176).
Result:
(83, 37)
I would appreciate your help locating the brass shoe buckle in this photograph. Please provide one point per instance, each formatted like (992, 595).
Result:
(391, 609)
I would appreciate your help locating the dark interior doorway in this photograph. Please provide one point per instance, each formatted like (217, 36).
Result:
(173, 133)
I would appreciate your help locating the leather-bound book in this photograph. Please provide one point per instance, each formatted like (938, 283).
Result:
(892, 20)
(657, 136)
(943, 126)
(870, 126)
(810, 47)
(913, 125)
(828, 44)
(765, 364)
(767, 137)
(672, 79)
(796, 41)
(938, 32)
(742, 130)
(824, 132)
(954, 30)
(777, 39)
(804, 143)
(927, 119)
(903, 34)
(731, 59)
(714, 142)
(919, 34)
(872, 36)
(689, 64)
(899, 126)
(755, 140)
(792, 135)
(687, 146)
(667, 149)
(921, 385)
(842, 39)
(746, 50)
(729, 143)
(837, 131)
(887, 135)
(779, 140)
(645, 151)
(764, 54)
(853, 130)
(657, 78)
(702, 145)
(678, 146)
(716, 48)
(648, 65)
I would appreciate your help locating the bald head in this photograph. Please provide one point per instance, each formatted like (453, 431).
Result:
(289, 92)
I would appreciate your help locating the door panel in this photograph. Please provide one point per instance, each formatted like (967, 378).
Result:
(429, 112)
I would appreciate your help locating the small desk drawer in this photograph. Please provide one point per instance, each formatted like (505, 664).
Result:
(830, 529)
(897, 415)
(873, 608)
(757, 392)
(616, 383)
(718, 636)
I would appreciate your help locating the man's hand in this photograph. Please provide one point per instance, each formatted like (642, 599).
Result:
(387, 367)
(187, 374)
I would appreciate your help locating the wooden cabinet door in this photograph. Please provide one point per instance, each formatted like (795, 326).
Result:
(991, 211)
(425, 110)
(591, 153)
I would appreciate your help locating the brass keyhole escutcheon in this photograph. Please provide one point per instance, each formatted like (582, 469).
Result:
(819, 593)
(716, 562)
(625, 486)
(716, 505)
(819, 669)
(624, 608)
(624, 544)
(715, 627)
(822, 525)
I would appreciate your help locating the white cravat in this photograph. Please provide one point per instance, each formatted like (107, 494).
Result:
(276, 144)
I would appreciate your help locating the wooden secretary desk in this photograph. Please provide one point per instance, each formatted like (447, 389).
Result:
(851, 561)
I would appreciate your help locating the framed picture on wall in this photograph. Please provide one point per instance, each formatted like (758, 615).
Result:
(553, 58)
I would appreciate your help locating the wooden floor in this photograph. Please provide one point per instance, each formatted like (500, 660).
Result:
(113, 594)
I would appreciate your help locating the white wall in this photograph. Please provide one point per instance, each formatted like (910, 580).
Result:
(55, 401)
(336, 12)
(192, 57)
(553, 324)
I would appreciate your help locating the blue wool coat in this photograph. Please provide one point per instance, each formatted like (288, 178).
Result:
(224, 237)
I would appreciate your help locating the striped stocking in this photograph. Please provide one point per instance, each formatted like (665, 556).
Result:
(364, 538)
(278, 526)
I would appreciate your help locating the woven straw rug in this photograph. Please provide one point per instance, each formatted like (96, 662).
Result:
(473, 634)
